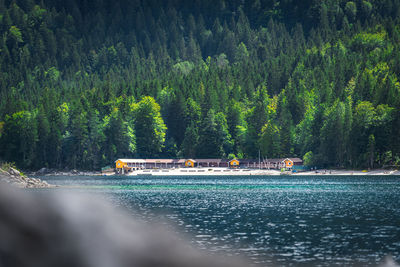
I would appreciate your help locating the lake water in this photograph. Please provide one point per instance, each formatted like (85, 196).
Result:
(291, 220)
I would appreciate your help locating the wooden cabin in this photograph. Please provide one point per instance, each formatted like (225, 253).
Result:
(234, 163)
(293, 162)
(190, 163)
(120, 163)
(288, 163)
(135, 164)
(126, 165)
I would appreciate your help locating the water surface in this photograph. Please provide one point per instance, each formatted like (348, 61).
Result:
(291, 221)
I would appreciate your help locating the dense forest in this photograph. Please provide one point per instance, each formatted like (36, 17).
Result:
(83, 82)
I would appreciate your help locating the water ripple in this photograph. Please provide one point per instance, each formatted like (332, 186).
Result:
(289, 221)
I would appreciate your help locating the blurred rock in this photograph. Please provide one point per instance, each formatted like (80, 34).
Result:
(13, 171)
(46, 229)
(389, 262)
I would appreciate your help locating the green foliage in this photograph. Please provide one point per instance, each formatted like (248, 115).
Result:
(366, 8)
(270, 141)
(369, 41)
(15, 34)
(184, 67)
(231, 156)
(371, 150)
(190, 142)
(308, 159)
(82, 85)
(333, 136)
(38, 12)
(304, 136)
(224, 137)
(18, 141)
(6, 166)
(211, 134)
(119, 136)
(149, 126)
(351, 10)
(256, 118)
(53, 74)
(236, 123)
(1, 128)
(241, 54)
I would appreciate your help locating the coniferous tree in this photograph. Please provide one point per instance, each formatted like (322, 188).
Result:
(80, 71)
(149, 127)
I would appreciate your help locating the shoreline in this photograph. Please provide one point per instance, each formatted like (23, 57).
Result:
(220, 172)
(251, 172)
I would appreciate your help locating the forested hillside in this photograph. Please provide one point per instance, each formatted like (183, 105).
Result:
(83, 82)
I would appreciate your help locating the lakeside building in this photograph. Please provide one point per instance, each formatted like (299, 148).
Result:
(127, 165)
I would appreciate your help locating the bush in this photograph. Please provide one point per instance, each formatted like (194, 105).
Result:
(6, 166)
(231, 156)
(308, 159)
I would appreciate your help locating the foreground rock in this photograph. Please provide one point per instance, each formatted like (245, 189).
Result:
(15, 178)
(55, 172)
(52, 228)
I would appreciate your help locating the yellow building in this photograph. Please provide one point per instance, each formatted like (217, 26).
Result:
(234, 163)
(189, 163)
(119, 164)
(125, 165)
(288, 163)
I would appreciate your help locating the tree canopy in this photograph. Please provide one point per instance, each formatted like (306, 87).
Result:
(85, 82)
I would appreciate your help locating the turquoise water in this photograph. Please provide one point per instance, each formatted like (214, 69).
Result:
(289, 221)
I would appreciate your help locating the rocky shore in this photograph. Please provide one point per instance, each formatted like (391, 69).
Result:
(15, 178)
(54, 172)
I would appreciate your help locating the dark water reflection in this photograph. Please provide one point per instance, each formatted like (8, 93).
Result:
(285, 220)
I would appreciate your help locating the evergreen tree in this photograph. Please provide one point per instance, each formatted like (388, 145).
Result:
(19, 137)
(149, 127)
(209, 145)
(74, 71)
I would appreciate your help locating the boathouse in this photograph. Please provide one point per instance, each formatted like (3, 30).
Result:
(234, 163)
(206, 163)
(126, 165)
(288, 163)
(134, 164)
(190, 163)
(130, 163)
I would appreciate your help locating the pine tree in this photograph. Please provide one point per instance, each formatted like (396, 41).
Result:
(149, 127)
